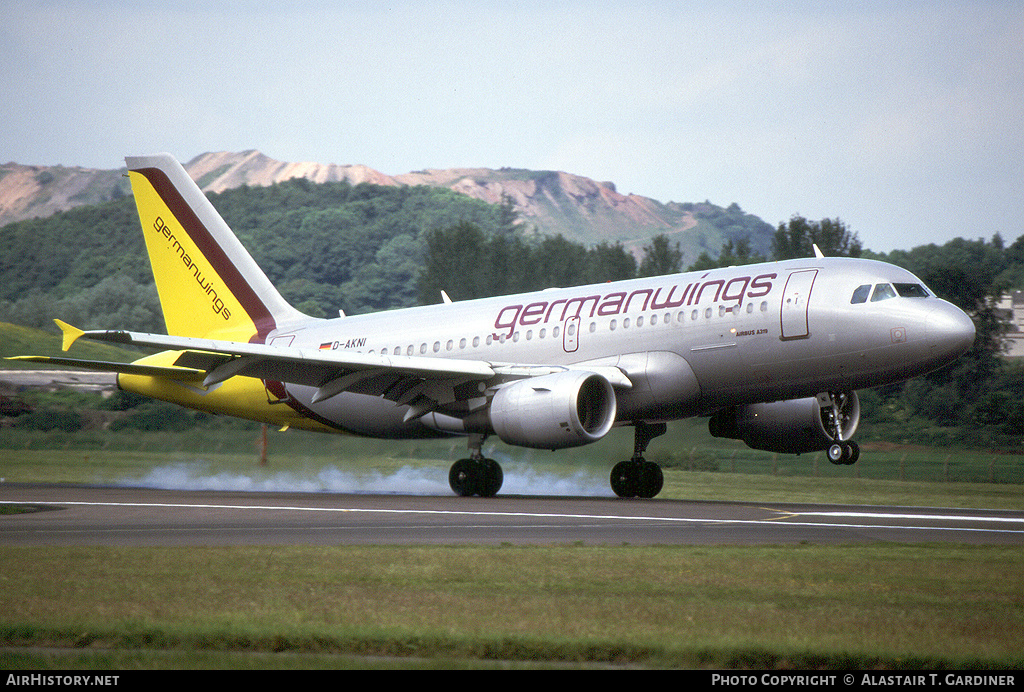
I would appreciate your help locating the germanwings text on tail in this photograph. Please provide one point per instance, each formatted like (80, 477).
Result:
(773, 353)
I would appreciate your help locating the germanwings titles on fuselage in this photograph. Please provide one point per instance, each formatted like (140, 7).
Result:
(646, 299)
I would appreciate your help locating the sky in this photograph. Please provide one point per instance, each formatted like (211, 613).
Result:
(903, 119)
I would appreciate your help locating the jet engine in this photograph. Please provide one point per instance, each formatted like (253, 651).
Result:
(793, 426)
(566, 409)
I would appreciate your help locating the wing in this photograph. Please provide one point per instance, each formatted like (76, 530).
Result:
(424, 384)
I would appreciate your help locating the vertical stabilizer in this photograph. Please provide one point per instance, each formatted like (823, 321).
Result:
(209, 285)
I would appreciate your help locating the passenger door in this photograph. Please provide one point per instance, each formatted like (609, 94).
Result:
(795, 301)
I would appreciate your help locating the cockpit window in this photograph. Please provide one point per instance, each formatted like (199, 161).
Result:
(886, 291)
(882, 292)
(911, 290)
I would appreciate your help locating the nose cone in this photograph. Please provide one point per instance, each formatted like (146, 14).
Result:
(950, 333)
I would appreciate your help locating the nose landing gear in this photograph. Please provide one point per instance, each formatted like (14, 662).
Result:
(837, 417)
(844, 453)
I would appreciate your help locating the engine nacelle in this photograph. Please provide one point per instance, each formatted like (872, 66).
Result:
(566, 409)
(793, 426)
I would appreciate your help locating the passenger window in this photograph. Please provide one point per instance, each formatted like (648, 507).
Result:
(882, 292)
(911, 290)
(861, 294)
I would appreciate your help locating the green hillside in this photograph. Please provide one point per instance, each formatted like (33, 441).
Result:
(327, 247)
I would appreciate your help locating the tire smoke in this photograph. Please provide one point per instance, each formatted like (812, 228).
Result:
(520, 479)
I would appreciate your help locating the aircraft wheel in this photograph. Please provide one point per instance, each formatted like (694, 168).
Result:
(490, 479)
(637, 479)
(462, 477)
(844, 453)
(625, 479)
(651, 480)
(481, 477)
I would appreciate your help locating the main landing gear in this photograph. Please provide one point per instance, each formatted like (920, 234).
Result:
(476, 475)
(639, 477)
(634, 478)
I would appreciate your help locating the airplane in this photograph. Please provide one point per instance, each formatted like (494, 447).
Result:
(772, 353)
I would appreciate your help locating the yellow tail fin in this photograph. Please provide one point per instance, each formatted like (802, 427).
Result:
(209, 285)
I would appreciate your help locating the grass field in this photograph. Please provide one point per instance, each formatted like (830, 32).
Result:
(804, 606)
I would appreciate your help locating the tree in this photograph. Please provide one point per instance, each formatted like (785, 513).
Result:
(453, 263)
(661, 258)
(798, 238)
(1013, 276)
(468, 263)
(608, 263)
(733, 254)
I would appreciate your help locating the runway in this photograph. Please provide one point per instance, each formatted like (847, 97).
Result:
(88, 515)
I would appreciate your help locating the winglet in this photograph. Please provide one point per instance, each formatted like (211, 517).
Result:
(71, 334)
(817, 252)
